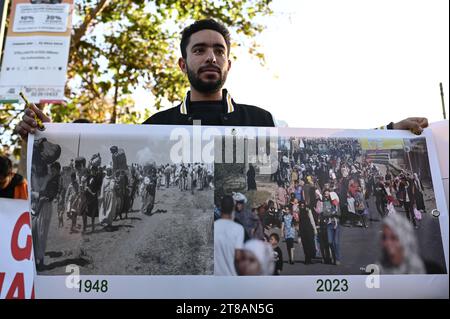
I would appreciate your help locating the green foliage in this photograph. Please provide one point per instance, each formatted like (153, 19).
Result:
(9, 116)
(117, 46)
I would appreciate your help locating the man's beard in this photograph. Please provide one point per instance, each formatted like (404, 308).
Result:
(206, 87)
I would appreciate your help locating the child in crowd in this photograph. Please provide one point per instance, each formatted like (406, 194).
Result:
(277, 254)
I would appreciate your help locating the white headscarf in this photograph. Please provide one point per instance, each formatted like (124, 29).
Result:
(412, 263)
(264, 253)
(239, 197)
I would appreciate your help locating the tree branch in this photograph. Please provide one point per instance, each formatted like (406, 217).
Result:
(88, 20)
(91, 85)
(15, 117)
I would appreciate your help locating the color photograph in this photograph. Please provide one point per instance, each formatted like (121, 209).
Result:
(333, 206)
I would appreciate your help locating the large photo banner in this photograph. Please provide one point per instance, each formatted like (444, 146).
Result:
(440, 132)
(124, 211)
(36, 50)
(16, 250)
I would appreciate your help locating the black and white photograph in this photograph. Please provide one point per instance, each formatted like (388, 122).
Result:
(111, 201)
(333, 206)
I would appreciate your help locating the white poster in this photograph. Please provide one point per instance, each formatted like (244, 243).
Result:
(36, 51)
(32, 58)
(381, 239)
(41, 17)
(16, 250)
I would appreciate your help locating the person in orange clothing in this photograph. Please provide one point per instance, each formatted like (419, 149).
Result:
(12, 185)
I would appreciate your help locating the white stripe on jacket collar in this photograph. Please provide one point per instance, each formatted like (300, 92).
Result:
(230, 106)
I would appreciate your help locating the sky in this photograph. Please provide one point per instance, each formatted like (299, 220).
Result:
(141, 146)
(137, 150)
(346, 63)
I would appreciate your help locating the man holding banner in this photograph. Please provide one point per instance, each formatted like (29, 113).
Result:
(205, 49)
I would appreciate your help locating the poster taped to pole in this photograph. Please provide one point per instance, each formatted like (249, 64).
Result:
(36, 51)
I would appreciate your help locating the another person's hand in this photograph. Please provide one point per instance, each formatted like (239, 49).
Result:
(414, 124)
(28, 124)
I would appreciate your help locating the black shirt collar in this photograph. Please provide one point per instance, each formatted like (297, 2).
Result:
(227, 103)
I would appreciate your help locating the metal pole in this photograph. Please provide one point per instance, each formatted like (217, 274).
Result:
(246, 156)
(79, 141)
(442, 100)
(409, 160)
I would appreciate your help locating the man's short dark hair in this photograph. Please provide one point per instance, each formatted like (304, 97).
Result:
(5, 166)
(81, 121)
(227, 205)
(206, 24)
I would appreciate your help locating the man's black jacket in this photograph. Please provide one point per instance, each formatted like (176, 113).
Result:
(241, 115)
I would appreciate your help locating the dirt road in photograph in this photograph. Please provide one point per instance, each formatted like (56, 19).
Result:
(175, 239)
